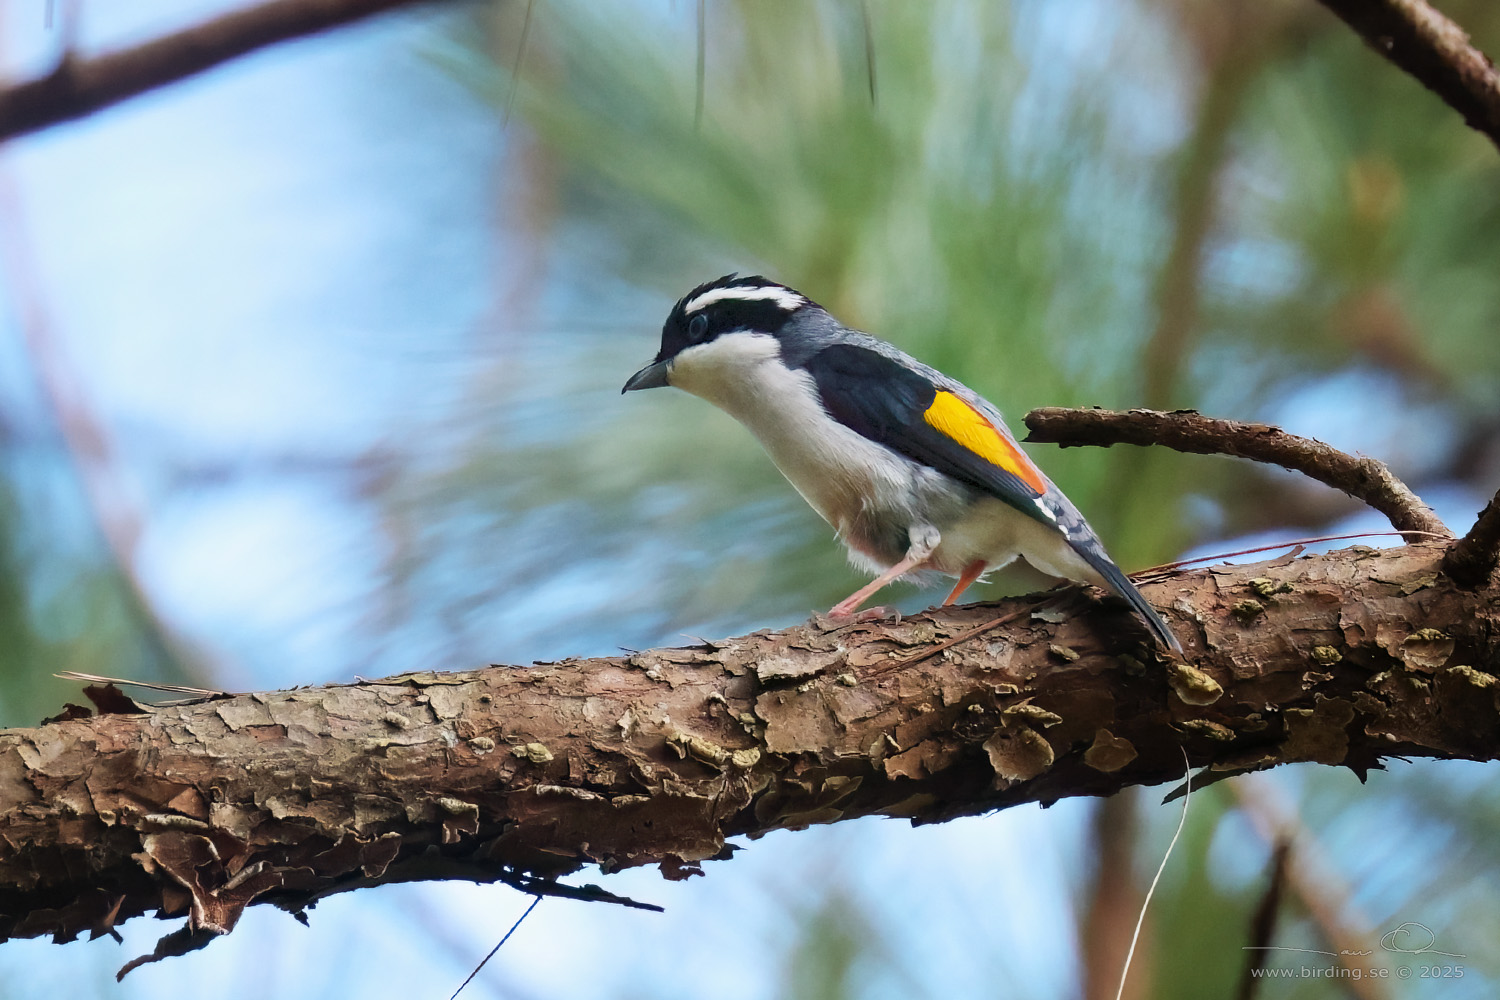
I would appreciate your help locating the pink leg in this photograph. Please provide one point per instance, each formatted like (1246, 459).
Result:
(971, 573)
(850, 604)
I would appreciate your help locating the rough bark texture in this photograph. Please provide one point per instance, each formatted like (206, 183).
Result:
(1471, 560)
(655, 758)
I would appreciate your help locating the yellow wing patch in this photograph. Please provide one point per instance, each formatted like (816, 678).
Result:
(966, 425)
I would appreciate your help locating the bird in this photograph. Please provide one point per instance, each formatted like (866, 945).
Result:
(916, 473)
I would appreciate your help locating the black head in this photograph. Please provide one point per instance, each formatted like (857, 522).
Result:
(725, 305)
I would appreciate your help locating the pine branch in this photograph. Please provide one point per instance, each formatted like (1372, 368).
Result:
(1471, 560)
(505, 774)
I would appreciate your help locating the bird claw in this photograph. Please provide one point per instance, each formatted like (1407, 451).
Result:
(837, 618)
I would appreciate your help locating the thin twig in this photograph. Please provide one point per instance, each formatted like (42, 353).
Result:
(1190, 431)
(515, 72)
(1296, 544)
(76, 675)
(864, 17)
(77, 87)
(66, 24)
(1434, 50)
(955, 640)
(700, 71)
(539, 886)
(1471, 561)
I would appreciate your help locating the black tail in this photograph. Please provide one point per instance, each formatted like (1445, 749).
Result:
(1120, 584)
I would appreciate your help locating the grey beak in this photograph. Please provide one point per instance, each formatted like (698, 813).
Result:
(653, 376)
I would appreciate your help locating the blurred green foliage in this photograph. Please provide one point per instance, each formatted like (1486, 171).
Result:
(20, 662)
(64, 606)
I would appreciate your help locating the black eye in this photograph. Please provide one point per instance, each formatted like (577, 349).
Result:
(697, 328)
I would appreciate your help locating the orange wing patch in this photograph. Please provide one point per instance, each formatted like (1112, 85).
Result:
(966, 425)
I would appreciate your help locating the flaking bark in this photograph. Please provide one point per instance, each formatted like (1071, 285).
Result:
(656, 758)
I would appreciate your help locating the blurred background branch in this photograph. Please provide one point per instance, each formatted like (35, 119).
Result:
(1435, 50)
(1315, 882)
(80, 86)
(1113, 903)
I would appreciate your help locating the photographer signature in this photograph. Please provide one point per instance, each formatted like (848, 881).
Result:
(1409, 938)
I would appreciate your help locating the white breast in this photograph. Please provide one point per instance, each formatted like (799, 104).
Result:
(842, 474)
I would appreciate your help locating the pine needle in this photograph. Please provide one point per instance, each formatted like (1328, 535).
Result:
(493, 950)
(1140, 919)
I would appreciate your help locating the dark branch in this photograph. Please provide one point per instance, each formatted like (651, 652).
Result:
(1263, 923)
(1420, 40)
(1190, 431)
(78, 87)
(1471, 561)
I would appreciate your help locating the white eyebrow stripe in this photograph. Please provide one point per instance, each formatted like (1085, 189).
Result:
(783, 297)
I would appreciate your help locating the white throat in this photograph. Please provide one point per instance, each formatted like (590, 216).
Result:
(841, 473)
(742, 374)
